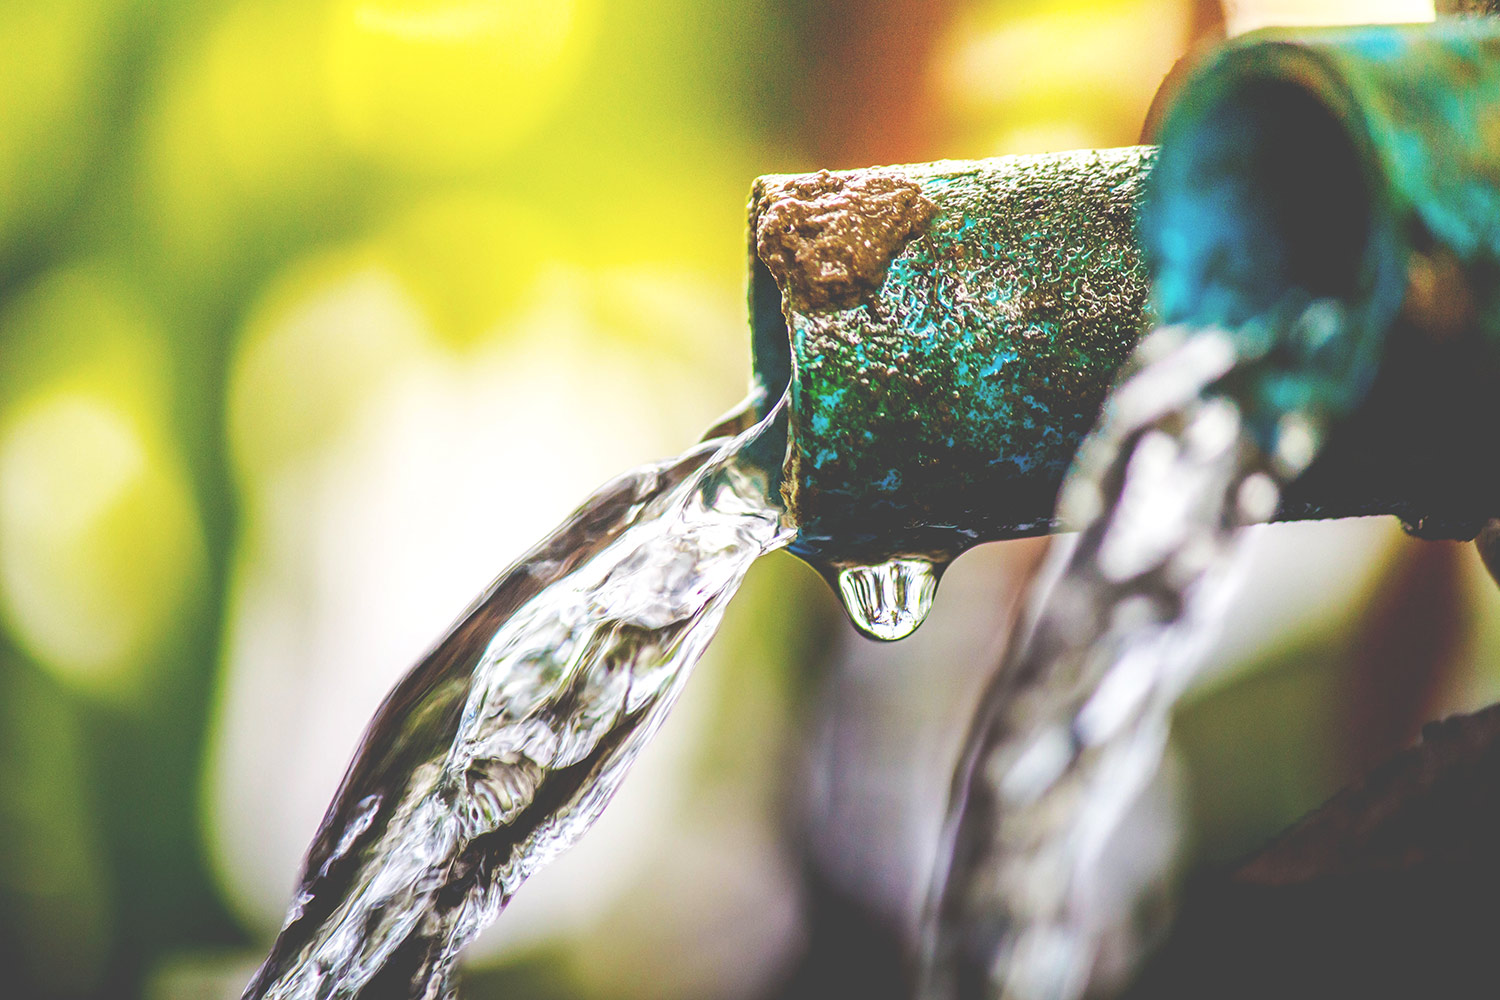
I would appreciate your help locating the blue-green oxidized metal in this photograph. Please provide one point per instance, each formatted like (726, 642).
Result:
(949, 331)
(953, 329)
(1361, 164)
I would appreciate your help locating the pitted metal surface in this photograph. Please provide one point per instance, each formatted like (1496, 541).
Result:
(942, 405)
(829, 238)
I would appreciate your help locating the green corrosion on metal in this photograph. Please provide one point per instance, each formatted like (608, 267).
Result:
(953, 328)
(1361, 164)
(947, 332)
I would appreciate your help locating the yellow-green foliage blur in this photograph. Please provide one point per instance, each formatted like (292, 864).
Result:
(314, 313)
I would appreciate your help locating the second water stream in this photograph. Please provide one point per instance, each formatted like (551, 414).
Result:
(1198, 438)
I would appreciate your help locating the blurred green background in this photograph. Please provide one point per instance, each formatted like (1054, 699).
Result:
(315, 313)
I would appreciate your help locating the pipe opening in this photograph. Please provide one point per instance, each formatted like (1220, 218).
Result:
(1260, 191)
(770, 341)
(771, 368)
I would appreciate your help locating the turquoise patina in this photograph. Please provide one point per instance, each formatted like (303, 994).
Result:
(1360, 164)
(938, 402)
(949, 331)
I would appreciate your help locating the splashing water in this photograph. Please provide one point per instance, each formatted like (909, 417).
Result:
(506, 742)
(890, 600)
(1198, 439)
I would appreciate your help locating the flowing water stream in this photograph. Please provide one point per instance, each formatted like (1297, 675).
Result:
(1197, 439)
(508, 739)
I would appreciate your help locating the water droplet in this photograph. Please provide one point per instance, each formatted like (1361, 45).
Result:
(1298, 438)
(1257, 498)
(888, 601)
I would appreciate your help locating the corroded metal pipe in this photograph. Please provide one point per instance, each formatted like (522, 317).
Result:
(1320, 227)
(1362, 164)
(948, 331)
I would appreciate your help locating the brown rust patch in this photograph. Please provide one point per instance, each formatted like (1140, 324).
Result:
(828, 238)
(1438, 299)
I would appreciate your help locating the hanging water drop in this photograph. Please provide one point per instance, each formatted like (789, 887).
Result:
(890, 600)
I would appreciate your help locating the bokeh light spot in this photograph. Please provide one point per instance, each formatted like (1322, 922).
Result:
(323, 339)
(447, 84)
(99, 539)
